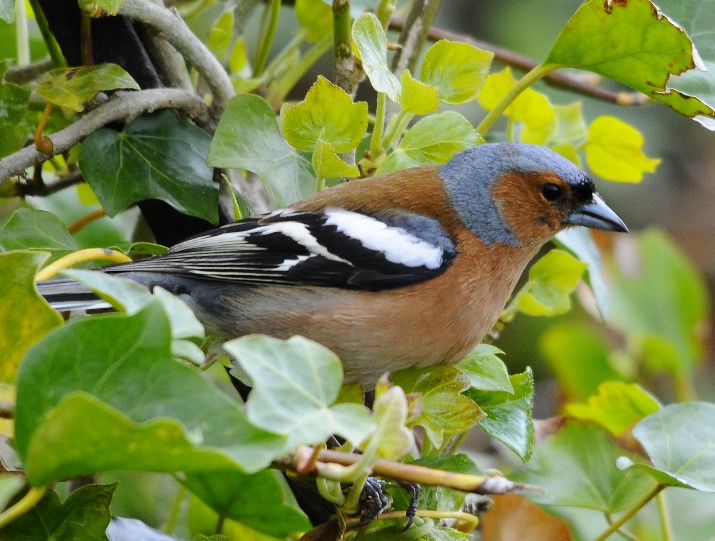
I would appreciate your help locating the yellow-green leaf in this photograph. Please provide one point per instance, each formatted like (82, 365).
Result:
(551, 280)
(614, 151)
(315, 16)
(73, 87)
(220, 36)
(532, 108)
(457, 70)
(327, 164)
(417, 97)
(328, 114)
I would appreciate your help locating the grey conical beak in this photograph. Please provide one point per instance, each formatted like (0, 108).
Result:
(596, 215)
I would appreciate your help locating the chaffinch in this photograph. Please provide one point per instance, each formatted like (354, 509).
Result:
(409, 268)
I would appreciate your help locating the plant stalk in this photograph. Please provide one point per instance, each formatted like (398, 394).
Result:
(630, 514)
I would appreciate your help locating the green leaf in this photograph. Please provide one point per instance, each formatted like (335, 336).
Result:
(327, 164)
(328, 114)
(417, 98)
(697, 19)
(445, 410)
(485, 370)
(10, 485)
(660, 301)
(617, 406)
(552, 279)
(7, 11)
(532, 108)
(72, 88)
(33, 229)
(83, 515)
(261, 500)
(221, 34)
(577, 467)
(579, 358)
(93, 6)
(247, 137)
(458, 70)
(316, 17)
(371, 43)
(679, 441)
(509, 414)
(157, 156)
(579, 242)
(432, 140)
(24, 316)
(14, 100)
(570, 124)
(295, 381)
(650, 49)
(106, 392)
(614, 151)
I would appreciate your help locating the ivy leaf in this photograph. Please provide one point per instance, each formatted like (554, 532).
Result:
(327, 164)
(157, 156)
(417, 98)
(577, 467)
(485, 370)
(532, 108)
(257, 500)
(7, 11)
(570, 124)
(581, 373)
(10, 485)
(660, 303)
(678, 439)
(508, 415)
(24, 317)
(457, 70)
(15, 100)
(31, 229)
(391, 438)
(328, 114)
(552, 279)
(128, 410)
(433, 139)
(247, 137)
(83, 515)
(371, 43)
(614, 151)
(616, 407)
(295, 381)
(221, 34)
(316, 17)
(72, 88)
(656, 49)
(579, 242)
(445, 410)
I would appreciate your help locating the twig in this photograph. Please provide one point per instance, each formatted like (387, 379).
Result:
(173, 29)
(23, 190)
(414, 31)
(24, 74)
(479, 484)
(524, 63)
(125, 105)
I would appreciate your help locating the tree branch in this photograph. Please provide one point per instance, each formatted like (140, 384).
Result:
(524, 63)
(173, 29)
(123, 107)
(24, 74)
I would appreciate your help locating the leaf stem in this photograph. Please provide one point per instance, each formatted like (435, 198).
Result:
(80, 256)
(25, 504)
(630, 513)
(173, 518)
(395, 127)
(22, 38)
(684, 389)
(53, 47)
(666, 531)
(522, 84)
(85, 220)
(376, 147)
(268, 32)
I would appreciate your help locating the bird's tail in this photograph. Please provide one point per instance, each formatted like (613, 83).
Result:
(64, 295)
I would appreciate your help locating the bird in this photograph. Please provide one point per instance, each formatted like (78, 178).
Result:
(409, 268)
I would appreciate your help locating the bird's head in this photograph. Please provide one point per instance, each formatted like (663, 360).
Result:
(516, 194)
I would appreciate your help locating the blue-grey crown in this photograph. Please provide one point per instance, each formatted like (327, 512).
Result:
(469, 175)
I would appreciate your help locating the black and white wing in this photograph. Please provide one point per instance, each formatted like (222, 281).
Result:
(336, 248)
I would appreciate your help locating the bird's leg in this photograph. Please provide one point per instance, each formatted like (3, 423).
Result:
(411, 511)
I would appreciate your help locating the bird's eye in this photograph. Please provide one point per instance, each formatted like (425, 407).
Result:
(551, 192)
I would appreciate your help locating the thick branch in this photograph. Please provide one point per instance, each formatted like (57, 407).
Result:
(123, 107)
(24, 74)
(173, 29)
(524, 63)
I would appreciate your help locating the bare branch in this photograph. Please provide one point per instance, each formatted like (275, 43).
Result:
(172, 28)
(524, 63)
(24, 74)
(124, 106)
